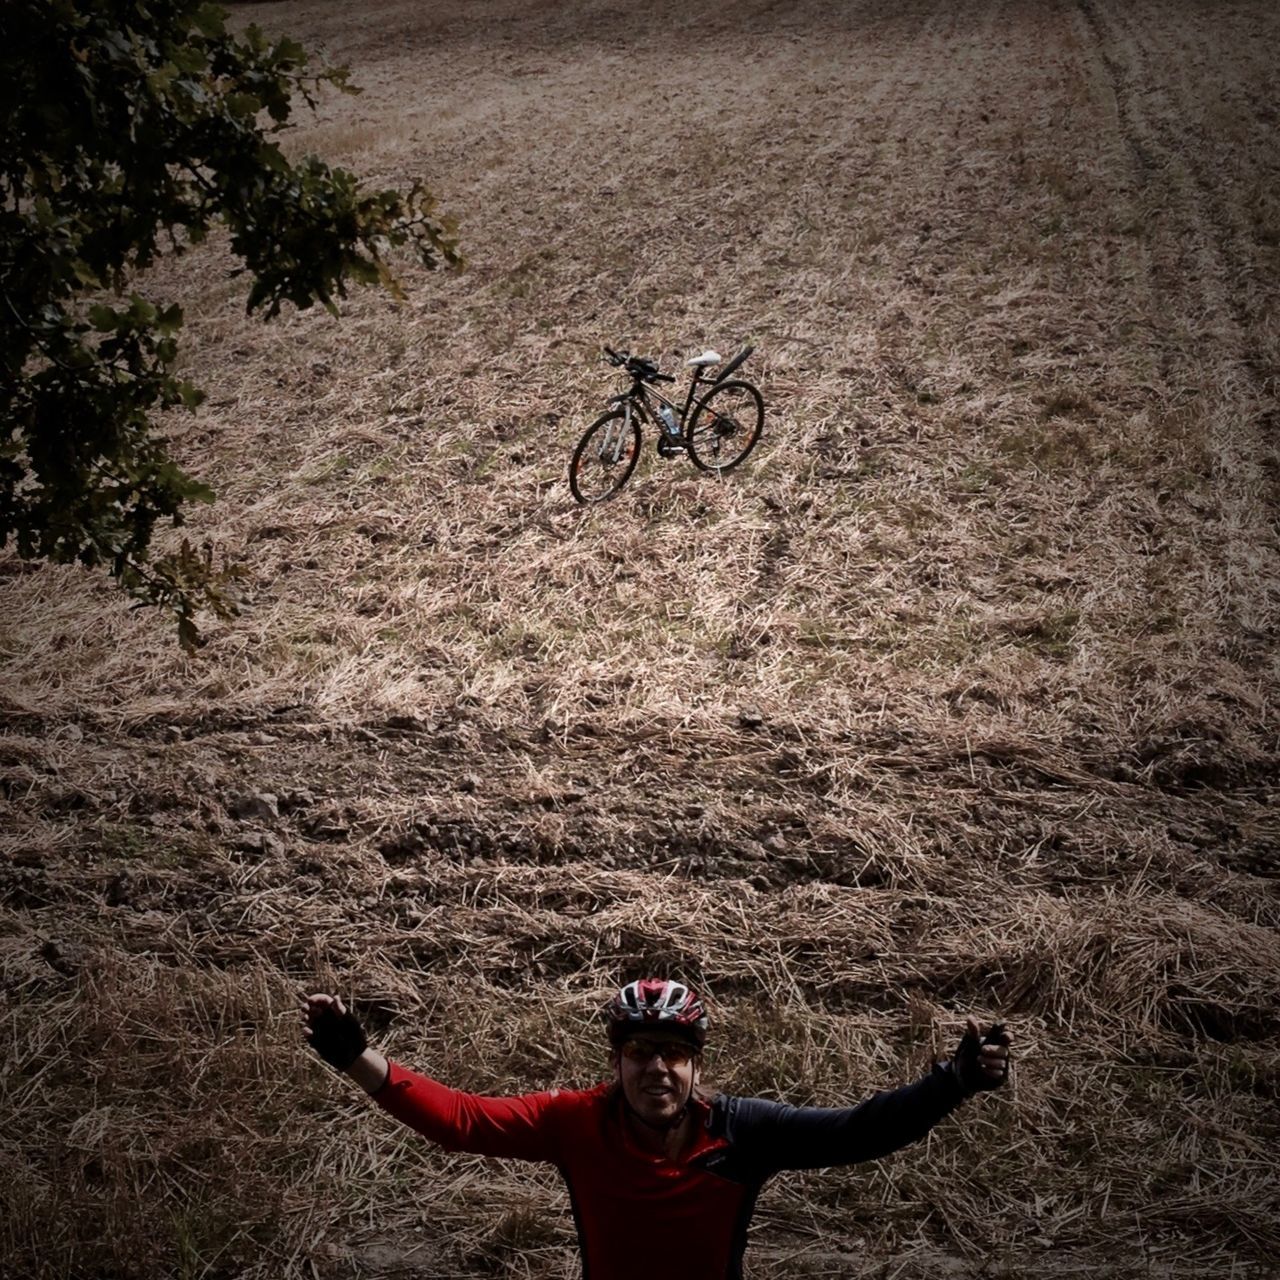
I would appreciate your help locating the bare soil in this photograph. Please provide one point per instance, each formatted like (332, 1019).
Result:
(959, 697)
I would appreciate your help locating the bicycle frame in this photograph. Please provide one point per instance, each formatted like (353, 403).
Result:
(639, 393)
(637, 400)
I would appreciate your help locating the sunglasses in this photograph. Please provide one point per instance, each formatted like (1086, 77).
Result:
(675, 1053)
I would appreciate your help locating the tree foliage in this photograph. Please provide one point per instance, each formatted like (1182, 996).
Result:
(131, 129)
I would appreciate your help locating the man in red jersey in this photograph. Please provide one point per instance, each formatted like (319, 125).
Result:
(661, 1173)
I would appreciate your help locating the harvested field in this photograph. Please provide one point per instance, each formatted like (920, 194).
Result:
(959, 696)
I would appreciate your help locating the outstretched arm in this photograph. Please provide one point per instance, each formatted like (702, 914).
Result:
(776, 1136)
(521, 1127)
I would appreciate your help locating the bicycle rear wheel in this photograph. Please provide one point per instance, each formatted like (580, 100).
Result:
(725, 425)
(605, 457)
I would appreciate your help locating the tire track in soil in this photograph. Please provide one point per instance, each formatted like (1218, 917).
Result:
(1245, 277)
(1166, 124)
(1171, 268)
(1142, 160)
(1200, 266)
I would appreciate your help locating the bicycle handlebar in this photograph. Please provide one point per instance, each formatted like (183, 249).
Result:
(637, 366)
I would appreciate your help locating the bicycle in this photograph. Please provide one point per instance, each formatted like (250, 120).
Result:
(717, 430)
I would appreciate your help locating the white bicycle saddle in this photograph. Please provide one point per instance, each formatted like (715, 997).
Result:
(706, 358)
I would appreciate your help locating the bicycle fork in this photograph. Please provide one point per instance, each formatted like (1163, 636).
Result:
(611, 445)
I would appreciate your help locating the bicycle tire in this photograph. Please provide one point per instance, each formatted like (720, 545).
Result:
(742, 414)
(619, 471)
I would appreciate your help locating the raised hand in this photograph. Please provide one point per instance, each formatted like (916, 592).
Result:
(332, 1030)
(981, 1061)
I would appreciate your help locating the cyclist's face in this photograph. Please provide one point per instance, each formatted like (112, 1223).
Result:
(657, 1084)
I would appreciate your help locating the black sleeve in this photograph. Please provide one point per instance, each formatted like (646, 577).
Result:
(773, 1135)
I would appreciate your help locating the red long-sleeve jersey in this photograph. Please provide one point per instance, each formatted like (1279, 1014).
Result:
(635, 1210)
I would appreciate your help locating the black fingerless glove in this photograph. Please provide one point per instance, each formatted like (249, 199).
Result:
(965, 1062)
(338, 1038)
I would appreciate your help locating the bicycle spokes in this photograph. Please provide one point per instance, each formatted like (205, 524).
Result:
(605, 458)
(725, 425)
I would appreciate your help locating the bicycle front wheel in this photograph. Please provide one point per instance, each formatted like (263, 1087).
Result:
(725, 425)
(605, 457)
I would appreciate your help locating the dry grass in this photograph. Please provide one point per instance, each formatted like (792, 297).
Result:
(997, 596)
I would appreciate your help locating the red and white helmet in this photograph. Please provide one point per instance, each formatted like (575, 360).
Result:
(658, 1003)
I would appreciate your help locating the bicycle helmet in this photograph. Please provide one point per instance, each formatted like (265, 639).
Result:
(658, 1003)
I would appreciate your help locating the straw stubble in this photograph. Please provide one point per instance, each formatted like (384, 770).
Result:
(958, 697)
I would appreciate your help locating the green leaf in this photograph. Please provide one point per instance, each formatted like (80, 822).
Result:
(102, 317)
(210, 20)
(243, 104)
(85, 274)
(192, 397)
(141, 313)
(169, 320)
